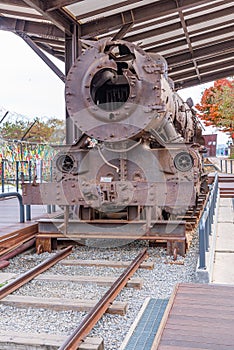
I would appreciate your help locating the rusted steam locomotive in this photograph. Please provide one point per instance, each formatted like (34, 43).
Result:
(138, 157)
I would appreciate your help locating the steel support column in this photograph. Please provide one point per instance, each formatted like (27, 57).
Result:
(72, 51)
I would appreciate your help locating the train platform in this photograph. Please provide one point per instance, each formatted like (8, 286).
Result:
(198, 316)
(10, 216)
(220, 255)
(223, 271)
(10, 211)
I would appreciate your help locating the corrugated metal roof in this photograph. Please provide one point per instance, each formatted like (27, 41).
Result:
(196, 37)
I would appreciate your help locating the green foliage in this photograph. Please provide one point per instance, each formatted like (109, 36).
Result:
(3, 284)
(50, 131)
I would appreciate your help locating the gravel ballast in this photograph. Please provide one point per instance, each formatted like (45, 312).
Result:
(157, 283)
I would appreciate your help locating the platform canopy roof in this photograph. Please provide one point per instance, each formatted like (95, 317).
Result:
(195, 37)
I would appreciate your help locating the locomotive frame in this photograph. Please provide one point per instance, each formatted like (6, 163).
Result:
(138, 160)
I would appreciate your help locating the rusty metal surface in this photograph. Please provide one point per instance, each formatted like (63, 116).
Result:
(142, 193)
(115, 90)
(106, 228)
(29, 275)
(100, 308)
(171, 232)
(21, 248)
(140, 143)
(140, 154)
(16, 235)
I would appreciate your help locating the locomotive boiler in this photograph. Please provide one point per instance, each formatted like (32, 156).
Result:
(138, 155)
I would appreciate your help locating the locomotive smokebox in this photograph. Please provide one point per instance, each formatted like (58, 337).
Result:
(115, 90)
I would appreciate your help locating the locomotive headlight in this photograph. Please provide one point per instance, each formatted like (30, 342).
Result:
(65, 163)
(183, 161)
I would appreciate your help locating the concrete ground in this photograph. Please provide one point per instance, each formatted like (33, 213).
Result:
(223, 270)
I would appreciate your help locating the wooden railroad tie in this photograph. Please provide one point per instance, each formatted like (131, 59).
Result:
(61, 304)
(13, 340)
(135, 283)
(105, 263)
(46, 242)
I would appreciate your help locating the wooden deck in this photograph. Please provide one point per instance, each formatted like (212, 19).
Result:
(226, 184)
(12, 232)
(226, 189)
(9, 213)
(198, 317)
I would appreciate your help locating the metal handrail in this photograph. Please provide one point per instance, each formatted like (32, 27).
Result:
(206, 221)
(224, 166)
(20, 199)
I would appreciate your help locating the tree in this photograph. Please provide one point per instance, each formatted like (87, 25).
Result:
(50, 131)
(217, 106)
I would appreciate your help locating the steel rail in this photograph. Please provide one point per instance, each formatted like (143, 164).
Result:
(35, 271)
(20, 249)
(78, 335)
(13, 240)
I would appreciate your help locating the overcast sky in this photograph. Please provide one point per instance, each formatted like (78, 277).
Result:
(30, 88)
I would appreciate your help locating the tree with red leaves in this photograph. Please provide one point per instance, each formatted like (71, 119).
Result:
(217, 106)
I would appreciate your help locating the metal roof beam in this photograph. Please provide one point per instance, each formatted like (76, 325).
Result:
(227, 31)
(216, 67)
(20, 3)
(57, 17)
(210, 16)
(201, 63)
(19, 14)
(154, 32)
(217, 58)
(194, 36)
(173, 17)
(41, 54)
(185, 29)
(56, 4)
(207, 51)
(141, 13)
(56, 53)
(107, 8)
(172, 27)
(30, 27)
(204, 79)
(120, 34)
(193, 40)
(48, 41)
(205, 70)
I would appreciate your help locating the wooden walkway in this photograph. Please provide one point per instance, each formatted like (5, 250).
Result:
(226, 184)
(10, 215)
(198, 317)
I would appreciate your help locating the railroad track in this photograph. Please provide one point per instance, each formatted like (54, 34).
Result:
(21, 300)
(16, 237)
(16, 242)
(76, 340)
